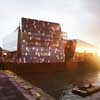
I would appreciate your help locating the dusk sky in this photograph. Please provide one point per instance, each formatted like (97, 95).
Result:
(79, 18)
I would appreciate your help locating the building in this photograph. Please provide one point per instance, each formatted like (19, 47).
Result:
(36, 41)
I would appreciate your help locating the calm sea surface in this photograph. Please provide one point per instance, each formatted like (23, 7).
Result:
(91, 77)
(60, 84)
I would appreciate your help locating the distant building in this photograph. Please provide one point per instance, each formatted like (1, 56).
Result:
(83, 46)
(84, 51)
(0, 51)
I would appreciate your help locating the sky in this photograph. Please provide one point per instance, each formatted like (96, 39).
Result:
(79, 18)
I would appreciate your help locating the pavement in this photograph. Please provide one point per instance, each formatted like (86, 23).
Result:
(7, 90)
(13, 87)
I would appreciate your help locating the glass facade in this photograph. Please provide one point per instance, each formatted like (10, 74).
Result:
(40, 42)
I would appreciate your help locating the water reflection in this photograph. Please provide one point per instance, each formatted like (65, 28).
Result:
(91, 77)
(97, 81)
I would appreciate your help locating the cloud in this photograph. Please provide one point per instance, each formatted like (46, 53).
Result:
(75, 16)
